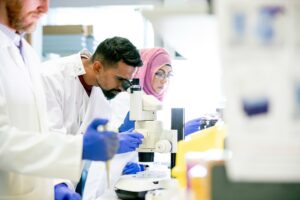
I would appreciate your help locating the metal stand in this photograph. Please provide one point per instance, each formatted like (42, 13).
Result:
(177, 123)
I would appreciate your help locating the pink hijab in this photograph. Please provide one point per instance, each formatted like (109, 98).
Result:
(153, 59)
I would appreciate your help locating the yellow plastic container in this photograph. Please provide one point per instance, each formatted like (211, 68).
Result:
(207, 139)
(201, 185)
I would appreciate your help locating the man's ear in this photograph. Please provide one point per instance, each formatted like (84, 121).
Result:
(97, 66)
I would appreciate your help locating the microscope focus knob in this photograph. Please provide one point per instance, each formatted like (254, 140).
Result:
(163, 146)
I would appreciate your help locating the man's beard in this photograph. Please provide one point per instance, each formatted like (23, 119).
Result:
(13, 10)
(110, 94)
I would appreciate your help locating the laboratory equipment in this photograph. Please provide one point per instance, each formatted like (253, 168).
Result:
(143, 111)
(107, 165)
(136, 186)
(156, 139)
(107, 162)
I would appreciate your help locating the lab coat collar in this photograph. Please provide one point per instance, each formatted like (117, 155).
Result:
(11, 34)
(77, 68)
(72, 64)
(7, 42)
(5, 38)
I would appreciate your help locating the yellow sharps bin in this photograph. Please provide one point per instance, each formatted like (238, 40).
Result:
(204, 140)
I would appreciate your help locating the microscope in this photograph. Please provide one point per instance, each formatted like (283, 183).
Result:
(143, 110)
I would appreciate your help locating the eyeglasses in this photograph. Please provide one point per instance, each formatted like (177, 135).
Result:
(161, 75)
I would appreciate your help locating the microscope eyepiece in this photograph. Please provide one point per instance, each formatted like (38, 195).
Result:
(135, 85)
(126, 84)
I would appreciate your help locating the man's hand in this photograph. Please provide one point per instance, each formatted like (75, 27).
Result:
(129, 141)
(99, 146)
(62, 192)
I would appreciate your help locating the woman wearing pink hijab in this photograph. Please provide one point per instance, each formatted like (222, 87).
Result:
(154, 78)
(156, 71)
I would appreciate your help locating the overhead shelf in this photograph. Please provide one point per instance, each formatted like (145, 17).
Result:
(189, 29)
(91, 3)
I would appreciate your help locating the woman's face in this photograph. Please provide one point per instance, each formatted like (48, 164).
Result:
(161, 78)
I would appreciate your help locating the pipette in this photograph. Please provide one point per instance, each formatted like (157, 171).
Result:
(107, 163)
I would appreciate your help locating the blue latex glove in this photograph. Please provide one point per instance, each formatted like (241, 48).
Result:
(192, 126)
(133, 168)
(129, 141)
(127, 124)
(99, 146)
(62, 192)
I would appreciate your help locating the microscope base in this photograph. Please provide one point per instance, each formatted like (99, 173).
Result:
(136, 186)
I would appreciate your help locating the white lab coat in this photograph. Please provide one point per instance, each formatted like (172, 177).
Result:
(69, 108)
(67, 100)
(29, 156)
(98, 107)
(96, 183)
(120, 107)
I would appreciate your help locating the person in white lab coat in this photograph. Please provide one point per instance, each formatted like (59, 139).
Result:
(156, 69)
(69, 81)
(30, 155)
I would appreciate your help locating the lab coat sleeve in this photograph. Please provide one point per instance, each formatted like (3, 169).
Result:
(54, 91)
(52, 155)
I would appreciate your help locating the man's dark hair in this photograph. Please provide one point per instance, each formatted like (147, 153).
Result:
(112, 50)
